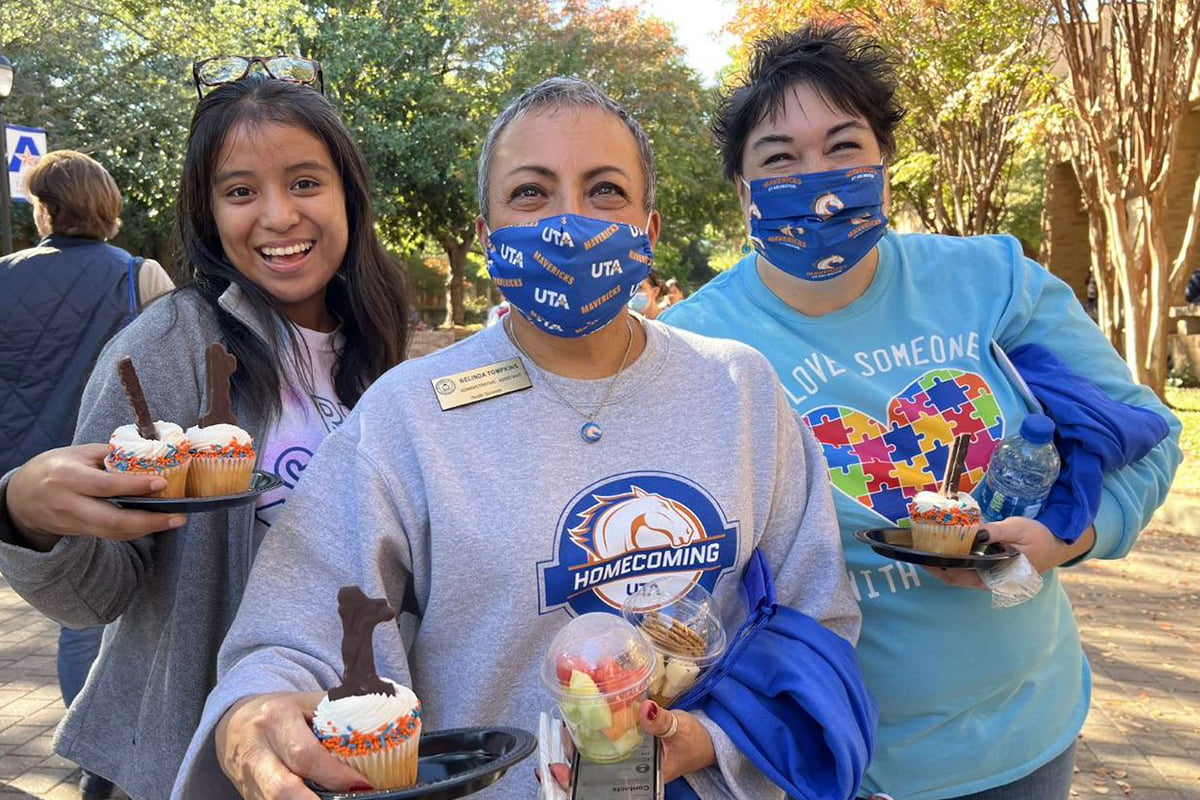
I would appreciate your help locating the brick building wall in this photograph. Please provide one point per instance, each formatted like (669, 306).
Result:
(1066, 250)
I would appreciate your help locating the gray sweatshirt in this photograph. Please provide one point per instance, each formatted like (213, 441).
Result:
(172, 595)
(491, 524)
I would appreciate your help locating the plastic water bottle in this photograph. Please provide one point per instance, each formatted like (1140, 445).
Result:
(1021, 471)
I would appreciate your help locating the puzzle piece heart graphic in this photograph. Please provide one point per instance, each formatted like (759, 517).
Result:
(881, 465)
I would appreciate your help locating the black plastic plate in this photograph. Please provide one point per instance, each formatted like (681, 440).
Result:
(259, 482)
(454, 763)
(897, 543)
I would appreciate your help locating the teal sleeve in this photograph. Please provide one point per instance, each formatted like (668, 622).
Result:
(1042, 309)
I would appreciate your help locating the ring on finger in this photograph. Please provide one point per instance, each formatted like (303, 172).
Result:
(673, 728)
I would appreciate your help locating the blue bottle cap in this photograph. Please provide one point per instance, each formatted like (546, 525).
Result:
(1037, 428)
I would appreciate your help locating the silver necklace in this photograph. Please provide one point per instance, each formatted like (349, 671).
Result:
(590, 431)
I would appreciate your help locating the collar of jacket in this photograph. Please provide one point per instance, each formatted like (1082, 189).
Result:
(234, 301)
(60, 241)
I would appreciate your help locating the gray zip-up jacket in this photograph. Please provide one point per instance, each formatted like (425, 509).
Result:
(171, 596)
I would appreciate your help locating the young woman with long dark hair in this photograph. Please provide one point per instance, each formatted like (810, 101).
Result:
(275, 224)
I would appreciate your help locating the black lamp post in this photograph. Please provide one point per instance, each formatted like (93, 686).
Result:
(6, 84)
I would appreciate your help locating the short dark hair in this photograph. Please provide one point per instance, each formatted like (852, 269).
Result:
(77, 192)
(852, 71)
(369, 296)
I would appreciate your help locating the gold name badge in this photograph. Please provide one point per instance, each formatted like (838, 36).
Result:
(481, 383)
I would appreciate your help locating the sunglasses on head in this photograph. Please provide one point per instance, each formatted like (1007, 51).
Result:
(220, 70)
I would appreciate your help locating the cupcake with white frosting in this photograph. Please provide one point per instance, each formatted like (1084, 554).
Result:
(370, 723)
(169, 456)
(376, 734)
(222, 460)
(944, 525)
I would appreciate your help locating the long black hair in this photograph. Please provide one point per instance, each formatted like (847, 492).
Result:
(369, 295)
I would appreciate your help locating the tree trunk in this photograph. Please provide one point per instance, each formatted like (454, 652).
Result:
(1144, 261)
(456, 251)
(1108, 294)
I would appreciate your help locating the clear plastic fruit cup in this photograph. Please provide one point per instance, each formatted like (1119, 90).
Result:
(683, 626)
(598, 670)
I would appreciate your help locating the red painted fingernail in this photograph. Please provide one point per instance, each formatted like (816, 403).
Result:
(652, 712)
(362, 787)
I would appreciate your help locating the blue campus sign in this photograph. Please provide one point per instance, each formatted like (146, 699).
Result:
(22, 148)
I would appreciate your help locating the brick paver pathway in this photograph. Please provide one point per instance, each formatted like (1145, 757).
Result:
(1139, 619)
(1140, 622)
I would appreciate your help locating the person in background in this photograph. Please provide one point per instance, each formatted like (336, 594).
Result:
(649, 296)
(277, 228)
(60, 301)
(675, 293)
(883, 344)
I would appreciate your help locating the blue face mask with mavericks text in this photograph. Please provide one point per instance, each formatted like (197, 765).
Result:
(817, 225)
(569, 275)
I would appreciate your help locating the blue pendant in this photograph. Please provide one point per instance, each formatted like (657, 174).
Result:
(590, 432)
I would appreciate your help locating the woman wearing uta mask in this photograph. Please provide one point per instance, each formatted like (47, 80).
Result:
(566, 504)
(883, 344)
(275, 221)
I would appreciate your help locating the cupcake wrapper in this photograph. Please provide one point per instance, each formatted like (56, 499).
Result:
(949, 540)
(177, 476)
(222, 475)
(393, 768)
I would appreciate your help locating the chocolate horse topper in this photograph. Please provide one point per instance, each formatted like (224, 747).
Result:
(137, 398)
(221, 366)
(956, 461)
(360, 614)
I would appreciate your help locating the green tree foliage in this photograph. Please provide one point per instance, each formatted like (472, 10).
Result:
(972, 74)
(418, 82)
(112, 78)
(426, 78)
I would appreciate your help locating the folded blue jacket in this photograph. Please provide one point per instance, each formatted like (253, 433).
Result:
(1094, 435)
(789, 695)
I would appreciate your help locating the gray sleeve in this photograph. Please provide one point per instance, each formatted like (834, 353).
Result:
(802, 544)
(83, 580)
(342, 526)
(54, 582)
(734, 776)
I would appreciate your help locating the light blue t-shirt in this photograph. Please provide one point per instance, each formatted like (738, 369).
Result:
(970, 697)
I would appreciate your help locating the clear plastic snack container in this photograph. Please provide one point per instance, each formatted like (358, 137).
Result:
(598, 669)
(685, 631)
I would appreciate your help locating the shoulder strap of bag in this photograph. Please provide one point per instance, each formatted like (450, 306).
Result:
(134, 268)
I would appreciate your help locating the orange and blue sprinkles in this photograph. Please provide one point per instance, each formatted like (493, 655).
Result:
(357, 743)
(945, 516)
(234, 449)
(126, 461)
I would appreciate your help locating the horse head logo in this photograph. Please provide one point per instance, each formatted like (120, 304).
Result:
(830, 262)
(635, 520)
(828, 204)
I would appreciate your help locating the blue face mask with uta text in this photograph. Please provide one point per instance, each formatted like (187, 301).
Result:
(817, 225)
(569, 275)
